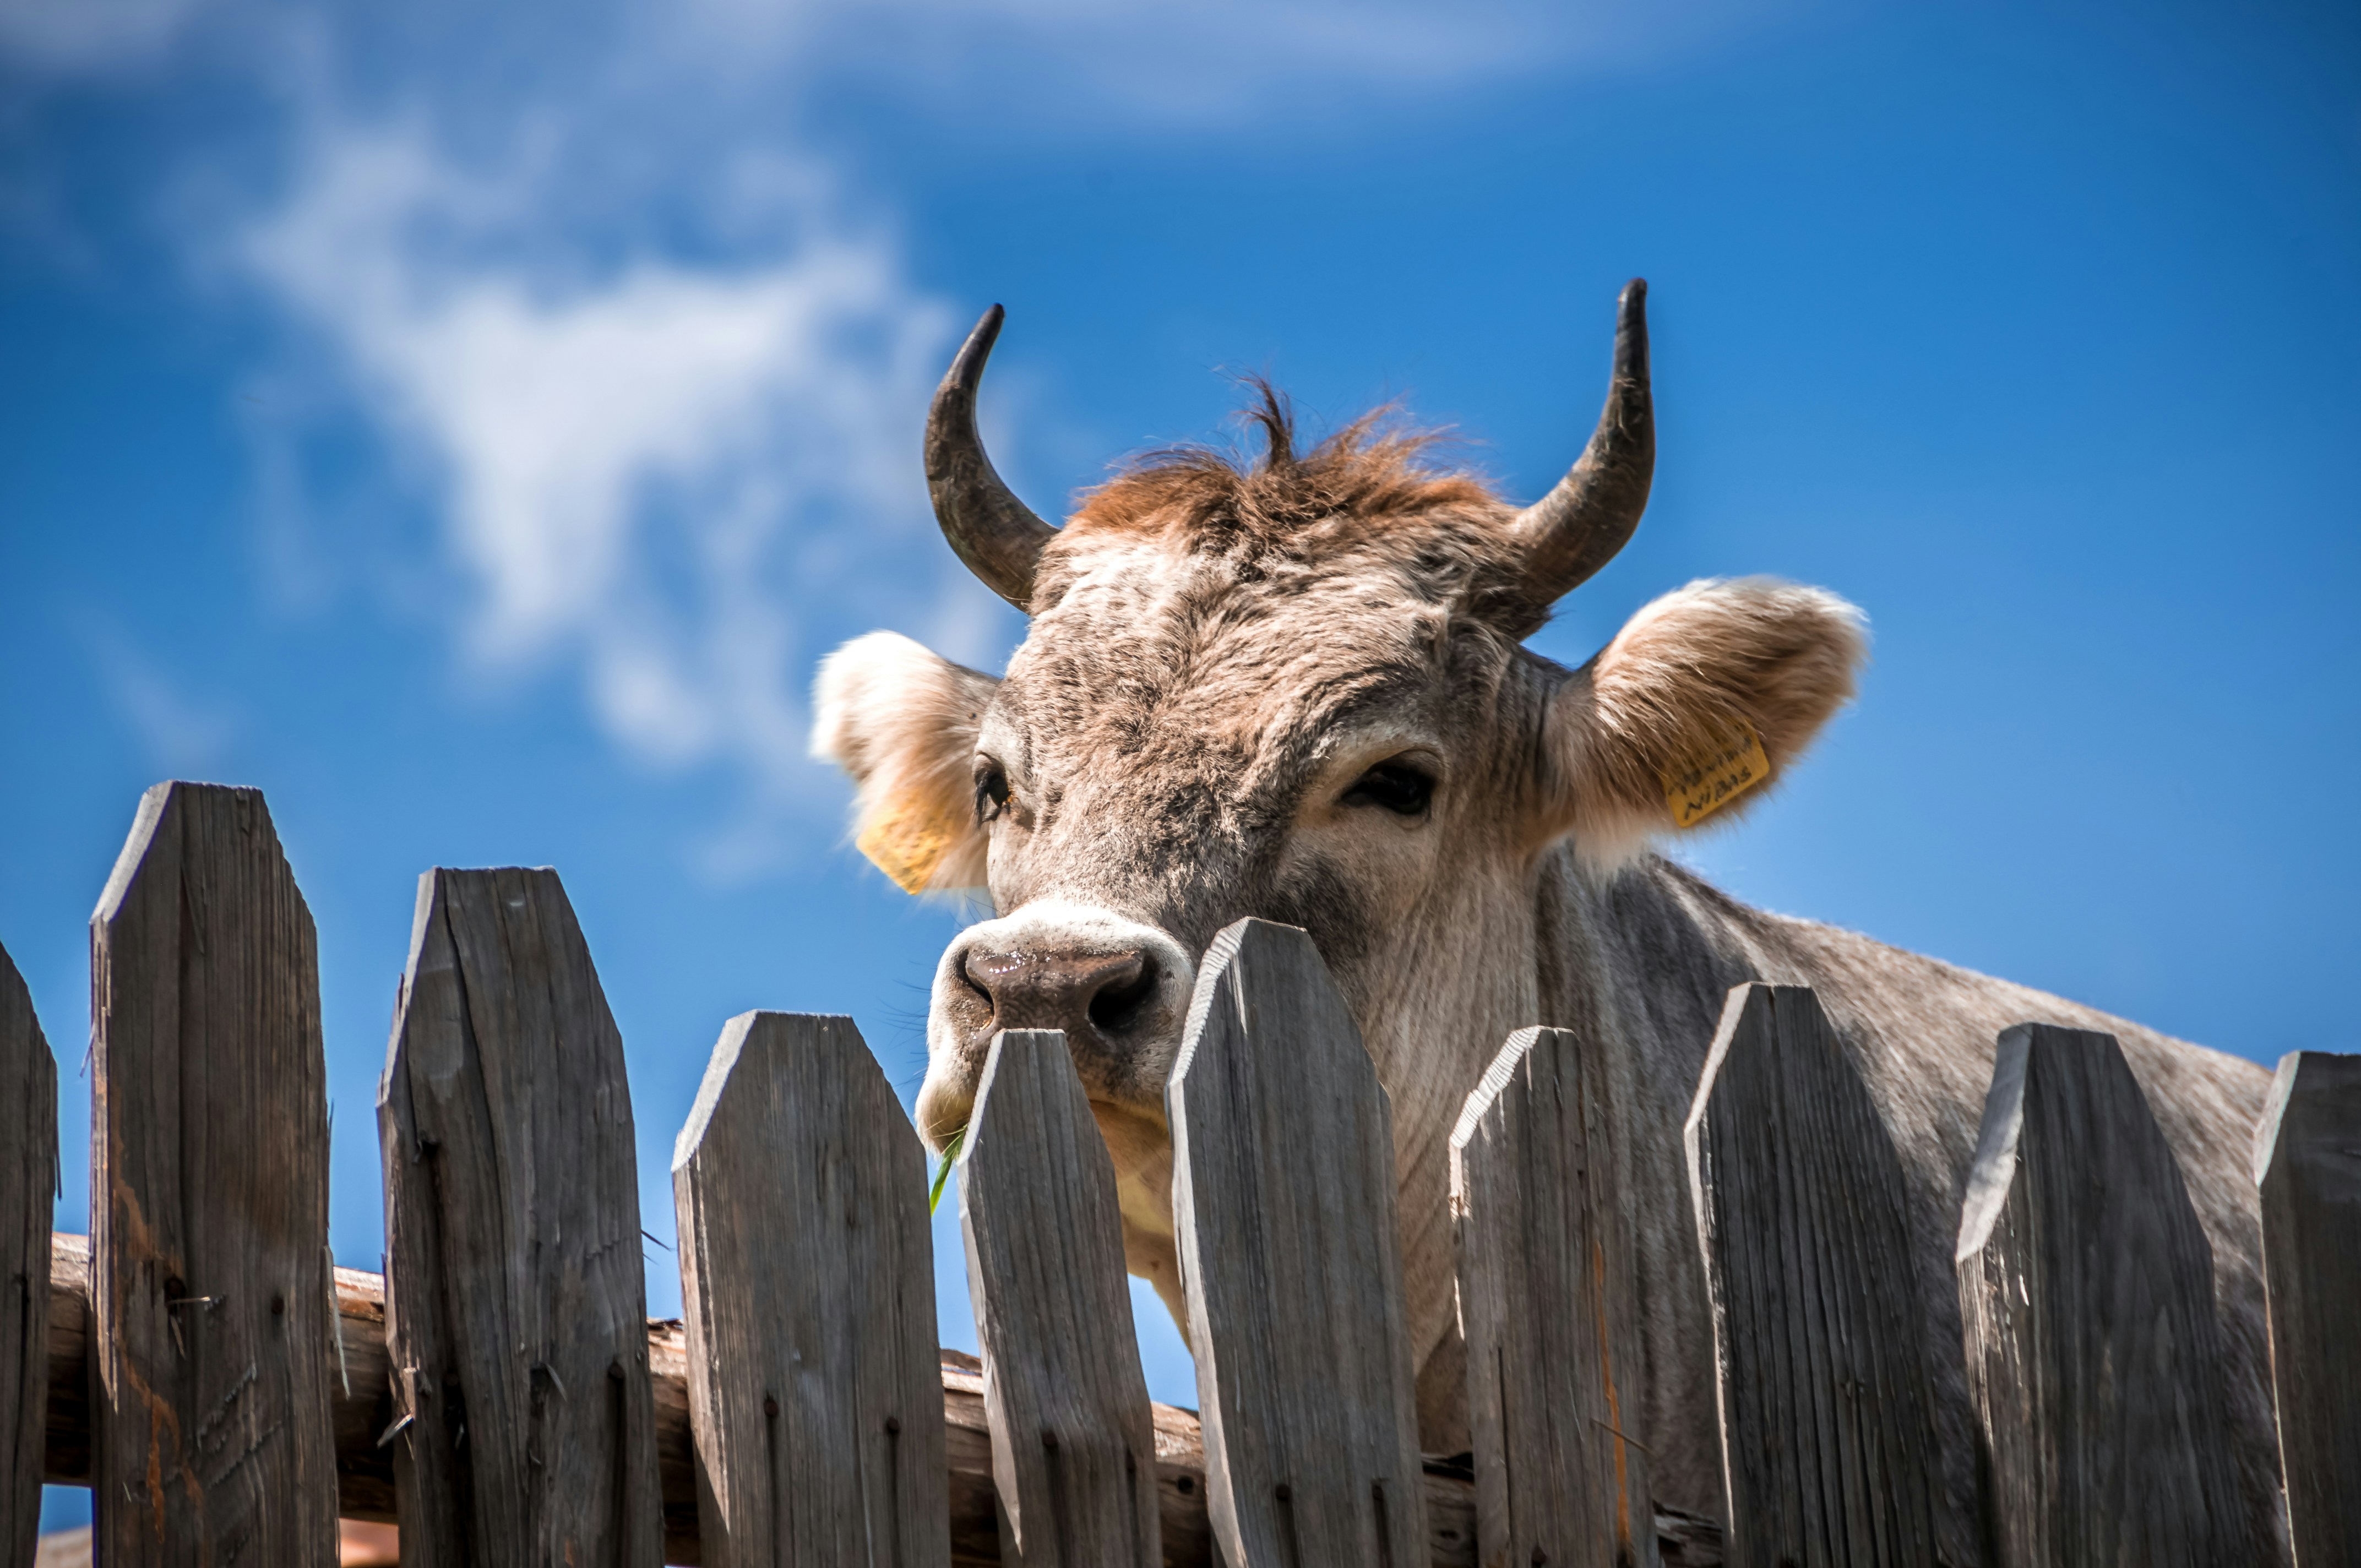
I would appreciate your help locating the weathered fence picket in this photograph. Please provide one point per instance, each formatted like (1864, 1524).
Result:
(1073, 1441)
(225, 1392)
(28, 1184)
(2086, 1284)
(1283, 1199)
(2308, 1167)
(213, 1305)
(1545, 1300)
(807, 1280)
(1827, 1439)
(516, 1316)
(365, 1473)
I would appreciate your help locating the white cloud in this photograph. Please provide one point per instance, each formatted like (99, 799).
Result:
(663, 382)
(633, 461)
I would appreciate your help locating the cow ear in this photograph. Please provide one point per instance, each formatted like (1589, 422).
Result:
(1696, 709)
(902, 720)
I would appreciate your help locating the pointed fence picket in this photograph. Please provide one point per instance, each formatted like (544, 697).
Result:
(213, 1305)
(1283, 1189)
(504, 1394)
(2308, 1166)
(2093, 1357)
(1073, 1441)
(516, 1307)
(1828, 1438)
(807, 1279)
(28, 1180)
(1546, 1302)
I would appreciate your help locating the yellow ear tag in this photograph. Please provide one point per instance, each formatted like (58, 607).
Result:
(907, 841)
(1735, 763)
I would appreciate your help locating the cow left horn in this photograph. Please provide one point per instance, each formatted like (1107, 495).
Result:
(997, 535)
(1575, 528)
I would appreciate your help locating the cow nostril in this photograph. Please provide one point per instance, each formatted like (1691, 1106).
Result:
(1117, 1004)
(979, 984)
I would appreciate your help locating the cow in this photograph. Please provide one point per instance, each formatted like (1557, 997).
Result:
(1296, 687)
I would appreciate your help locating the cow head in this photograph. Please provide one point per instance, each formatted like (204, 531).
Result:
(1295, 688)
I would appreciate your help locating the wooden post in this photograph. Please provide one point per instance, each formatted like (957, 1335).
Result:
(1074, 1442)
(29, 1188)
(806, 1272)
(213, 1311)
(2087, 1288)
(515, 1312)
(1828, 1441)
(2308, 1167)
(1545, 1300)
(1283, 1199)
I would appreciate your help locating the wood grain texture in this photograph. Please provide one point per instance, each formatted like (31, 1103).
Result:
(1828, 1439)
(1075, 1445)
(2308, 1168)
(807, 1270)
(1283, 1199)
(215, 1318)
(1545, 1302)
(517, 1322)
(2093, 1356)
(29, 1188)
(365, 1470)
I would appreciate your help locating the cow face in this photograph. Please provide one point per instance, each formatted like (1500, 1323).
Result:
(1294, 688)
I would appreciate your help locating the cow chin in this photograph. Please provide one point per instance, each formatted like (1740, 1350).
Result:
(1119, 990)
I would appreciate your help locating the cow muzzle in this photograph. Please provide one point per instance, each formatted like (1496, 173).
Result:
(1118, 990)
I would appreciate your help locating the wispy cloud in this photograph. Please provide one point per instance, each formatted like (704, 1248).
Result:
(657, 379)
(182, 734)
(646, 466)
(1165, 61)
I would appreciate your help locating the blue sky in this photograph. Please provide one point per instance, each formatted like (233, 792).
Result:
(472, 429)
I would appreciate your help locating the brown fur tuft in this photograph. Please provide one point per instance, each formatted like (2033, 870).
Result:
(1373, 472)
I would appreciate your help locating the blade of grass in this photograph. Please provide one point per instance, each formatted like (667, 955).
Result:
(943, 1171)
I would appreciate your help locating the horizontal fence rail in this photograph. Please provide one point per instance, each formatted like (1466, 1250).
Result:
(365, 1475)
(227, 1393)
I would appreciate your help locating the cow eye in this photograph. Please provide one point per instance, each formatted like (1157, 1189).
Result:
(991, 789)
(1399, 787)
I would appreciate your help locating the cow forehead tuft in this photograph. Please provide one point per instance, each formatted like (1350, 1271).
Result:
(1376, 471)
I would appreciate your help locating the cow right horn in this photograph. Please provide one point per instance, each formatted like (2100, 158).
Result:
(998, 536)
(1575, 528)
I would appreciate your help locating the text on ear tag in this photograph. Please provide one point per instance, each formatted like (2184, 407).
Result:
(907, 841)
(1734, 763)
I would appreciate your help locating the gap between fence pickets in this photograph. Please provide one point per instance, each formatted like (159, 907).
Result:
(365, 1478)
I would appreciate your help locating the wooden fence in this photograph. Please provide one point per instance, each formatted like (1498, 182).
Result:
(226, 1393)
